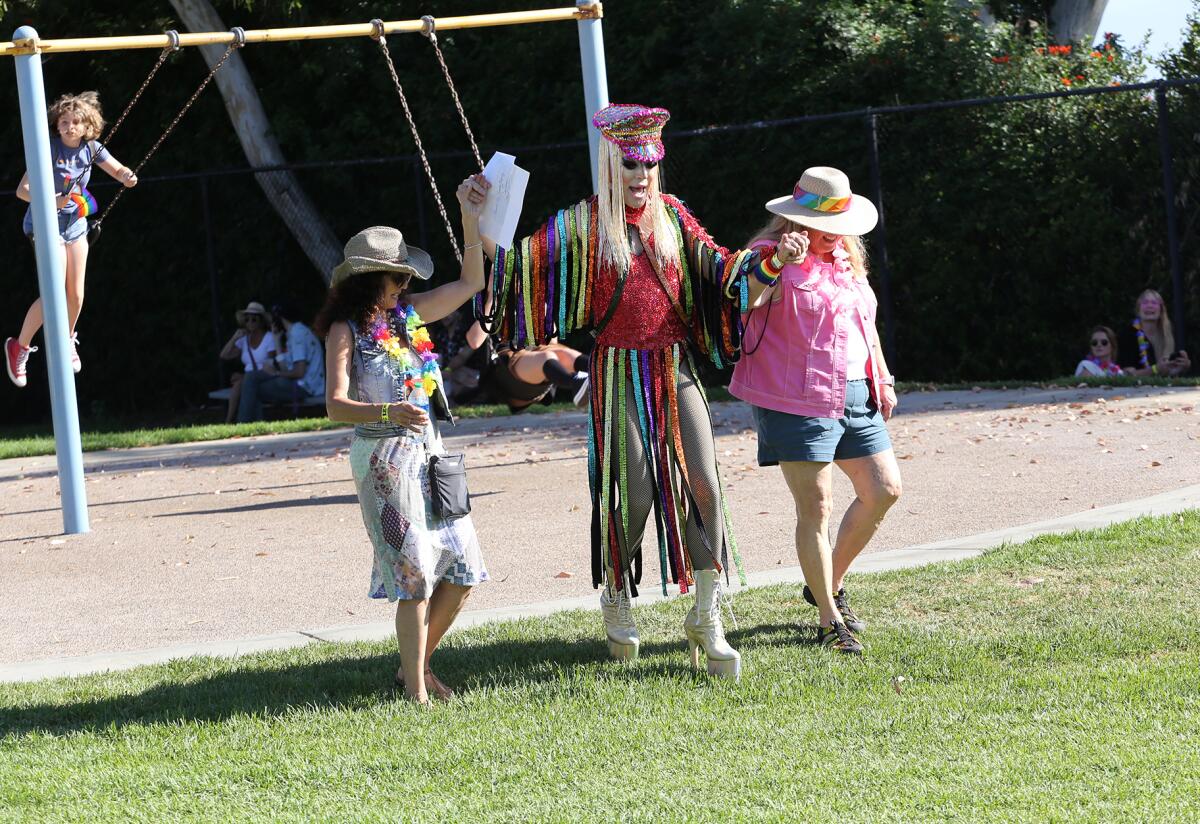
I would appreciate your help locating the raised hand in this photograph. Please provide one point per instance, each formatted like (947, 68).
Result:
(793, 246)
(472, 194)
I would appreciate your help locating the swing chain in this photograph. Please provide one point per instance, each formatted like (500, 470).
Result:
(235, 45)
(487, 321)
(429, 29)
(162, 58)
(173, 36)
(381, 39)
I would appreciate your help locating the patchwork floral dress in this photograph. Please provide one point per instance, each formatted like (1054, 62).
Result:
(414, 549)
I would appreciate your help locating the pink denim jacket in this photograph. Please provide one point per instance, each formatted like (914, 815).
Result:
(795, 361)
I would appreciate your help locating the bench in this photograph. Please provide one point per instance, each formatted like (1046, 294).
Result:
(222, 395)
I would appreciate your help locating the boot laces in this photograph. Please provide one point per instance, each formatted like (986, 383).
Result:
(723, 598)
(23, 356)
(624, 608)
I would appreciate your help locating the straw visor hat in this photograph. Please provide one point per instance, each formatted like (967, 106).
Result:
(822, 200)
(382, 249)
(252, 308)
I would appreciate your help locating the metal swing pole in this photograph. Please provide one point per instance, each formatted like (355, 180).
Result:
(51, 268)
(595, 75)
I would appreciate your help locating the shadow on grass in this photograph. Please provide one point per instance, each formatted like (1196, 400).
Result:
(256, 689)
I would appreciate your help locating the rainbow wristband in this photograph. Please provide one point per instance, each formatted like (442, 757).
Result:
(768, 269)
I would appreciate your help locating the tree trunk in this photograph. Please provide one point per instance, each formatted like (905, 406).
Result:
(254, 132)
(1075, 20)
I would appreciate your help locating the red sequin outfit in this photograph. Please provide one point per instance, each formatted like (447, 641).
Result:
(644, 318)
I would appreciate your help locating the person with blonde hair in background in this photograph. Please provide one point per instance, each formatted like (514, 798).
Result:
(1147, 343)
(73, 151)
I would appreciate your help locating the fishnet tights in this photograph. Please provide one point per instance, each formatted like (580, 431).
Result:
(705, 521)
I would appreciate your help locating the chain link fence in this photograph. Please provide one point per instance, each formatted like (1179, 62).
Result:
(183, 252)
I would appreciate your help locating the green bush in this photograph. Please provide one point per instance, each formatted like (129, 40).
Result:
(1011, 228)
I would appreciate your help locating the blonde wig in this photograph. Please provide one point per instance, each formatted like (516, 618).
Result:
(778, 225)
(613, 236)
(85, 106)
(1162, 337)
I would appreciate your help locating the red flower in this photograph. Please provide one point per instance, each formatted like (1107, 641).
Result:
(1066, 81)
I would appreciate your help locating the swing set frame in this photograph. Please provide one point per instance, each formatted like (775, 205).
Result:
(27, 48)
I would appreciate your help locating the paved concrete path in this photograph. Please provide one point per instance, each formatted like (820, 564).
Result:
(194, 545)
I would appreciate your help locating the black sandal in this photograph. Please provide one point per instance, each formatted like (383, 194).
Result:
(838, 637)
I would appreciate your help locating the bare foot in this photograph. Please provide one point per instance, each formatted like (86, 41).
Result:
(433, 685)
(436, 688)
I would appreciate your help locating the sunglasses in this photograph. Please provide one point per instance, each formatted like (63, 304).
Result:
(1099, 341)
(633, 164)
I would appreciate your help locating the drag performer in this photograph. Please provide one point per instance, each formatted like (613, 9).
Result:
(634, 266)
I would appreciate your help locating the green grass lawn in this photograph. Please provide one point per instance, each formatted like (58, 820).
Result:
(1057, 680)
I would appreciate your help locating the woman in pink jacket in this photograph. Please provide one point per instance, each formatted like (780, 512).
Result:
(814, 371)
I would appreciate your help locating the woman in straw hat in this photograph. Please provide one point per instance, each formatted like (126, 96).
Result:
(252, 342)
(814, 371)
(381, 375)
(634, 266)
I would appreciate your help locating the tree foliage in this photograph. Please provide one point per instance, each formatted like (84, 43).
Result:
(1011, 228)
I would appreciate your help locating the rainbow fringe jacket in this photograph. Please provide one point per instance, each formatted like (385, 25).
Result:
(544, 288)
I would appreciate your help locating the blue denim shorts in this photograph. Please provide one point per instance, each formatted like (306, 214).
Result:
(71, 227)
(858, 433)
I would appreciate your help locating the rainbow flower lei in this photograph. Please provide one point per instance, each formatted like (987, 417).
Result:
(1143, 344)
(410, 365)
(1108, 367)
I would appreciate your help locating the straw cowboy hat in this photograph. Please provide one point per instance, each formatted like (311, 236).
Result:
(253, 308)
(382, 249)
(822, 200)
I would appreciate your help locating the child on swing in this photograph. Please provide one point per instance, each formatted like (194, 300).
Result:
(79, 123)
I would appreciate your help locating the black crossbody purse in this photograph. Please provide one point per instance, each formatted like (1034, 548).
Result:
(448, 485)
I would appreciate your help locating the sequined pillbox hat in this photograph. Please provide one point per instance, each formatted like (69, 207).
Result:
(635, 129)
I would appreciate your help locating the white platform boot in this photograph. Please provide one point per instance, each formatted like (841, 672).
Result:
(623, 641)
(704, 631)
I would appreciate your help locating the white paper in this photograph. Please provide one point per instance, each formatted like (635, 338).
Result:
(505, 199)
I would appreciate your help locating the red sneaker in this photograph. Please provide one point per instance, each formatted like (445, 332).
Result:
(15, 358)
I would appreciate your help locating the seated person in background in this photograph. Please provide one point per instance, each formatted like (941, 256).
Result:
(1147, 344)
(1102, 356)
(295, 369)
(476, 371)
(252, 343)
